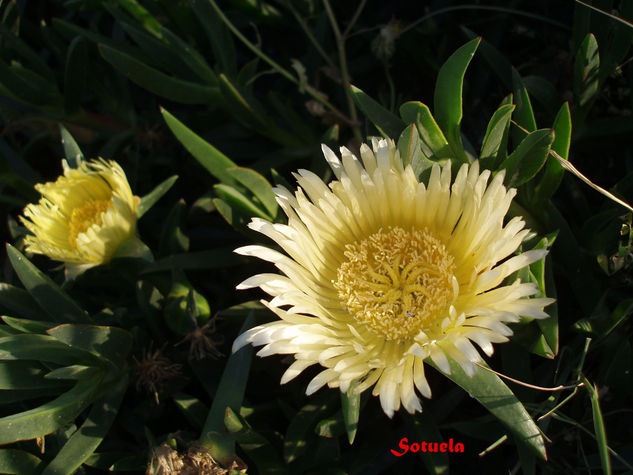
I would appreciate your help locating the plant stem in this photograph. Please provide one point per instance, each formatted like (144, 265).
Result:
(285, 73)
(340, 45)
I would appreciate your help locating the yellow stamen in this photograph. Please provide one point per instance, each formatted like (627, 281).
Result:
(396, 282)
(85, 216)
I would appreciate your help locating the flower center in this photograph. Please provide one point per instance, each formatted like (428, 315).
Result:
(396, 282)
(85, 216)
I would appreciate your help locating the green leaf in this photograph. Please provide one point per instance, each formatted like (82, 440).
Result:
(598, 425)
(50, 416)
(18, 301)
(528, 158)
(350, 405)
(19, 462)
(159, 83)
(430, 132)
(257, 447)
(245, 107)
(207, 155)
(48, 295)
(447, 100)
(232, 215)
(109, 343)
(302, 425)
(27, 55)
(73, 153)
(387, 123)
(230, 394)
(587, 71)
(497, 62)
(76, 372)
(219, 36)
(142, 15)
(258, 185)
(87, 438)
(25, 375)
(153, 196)
(496, 137)
(213, 259)
(26, 325)
(553, 172)
(410, 149)
(42, 348)
(424, 428)
(192, 408)
(75, 76)
(494, 395)
(523, 114)
(236, 199)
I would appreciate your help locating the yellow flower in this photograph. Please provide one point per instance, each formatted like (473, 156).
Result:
(84, 217)
(383, 272)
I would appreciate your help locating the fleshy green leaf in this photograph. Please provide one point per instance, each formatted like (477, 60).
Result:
(25, 375)
(48, 295)
(19, 462)
(553, 172)
(430, 132)
(153, 196)
(387, 123)
(177, 90)
(350, 404)
(192, 408)
(50, 416)
(74, 155)
(229, 394)
(496, 136)
(598, 425)
(447, 100)
(528, 158)
(207, 155)
(110, 343)
(213, 259)
(42, 348)
(494, 395)
(75, 76)
(257, 447)
(523, 114)
(26, 325)
(258, 185)
(18, 301)
(87, 438)
(410, 148)
(586, 71)
(236, 199)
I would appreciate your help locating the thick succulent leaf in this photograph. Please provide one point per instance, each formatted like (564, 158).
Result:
(496, 136)
(18, 302)
(447, 100)
(256, 446)
(109, 343)
(238, 200)
(523, 114)
(587, 71)
(74, 155)
(207, 155)
(494, 395)
(229, 394)
(75, 75)
(43, 348)
(553, 172)
(387, 123)
(25, 375)
(153, 196)
(258, 185)
(87, 438)
(528, 158)
(19, 462)
(430, 133)
(50, 416)
(157, 82)
(350, 405)
(53, 300)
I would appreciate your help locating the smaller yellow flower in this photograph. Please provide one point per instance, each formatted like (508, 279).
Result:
(84, 217)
